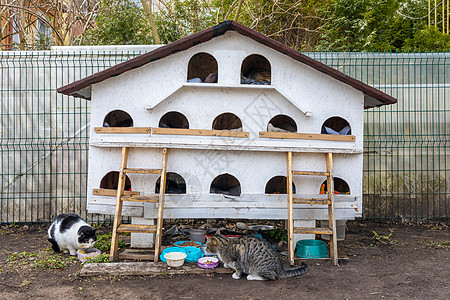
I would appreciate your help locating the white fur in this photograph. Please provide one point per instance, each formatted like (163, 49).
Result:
(253, 277)
(68, 241)
(235, 276)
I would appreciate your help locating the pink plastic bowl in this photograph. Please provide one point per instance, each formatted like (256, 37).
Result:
(201, 262)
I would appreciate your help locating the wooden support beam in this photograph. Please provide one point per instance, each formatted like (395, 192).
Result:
(162, 192)
(290, 209)
(123, 130)
(136, 228)
(113, 193)
(311, 201)
(139, 198)
(142, 171)
(145, 268)
(331, 209)
(307, 136)
(310, 173)
(200, 132)
(118, 212)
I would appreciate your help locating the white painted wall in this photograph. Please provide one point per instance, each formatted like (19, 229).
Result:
(296, 88)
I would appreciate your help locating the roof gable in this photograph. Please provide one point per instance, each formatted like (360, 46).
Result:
(82, 88)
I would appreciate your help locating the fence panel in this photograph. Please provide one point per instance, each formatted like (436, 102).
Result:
(45, 135)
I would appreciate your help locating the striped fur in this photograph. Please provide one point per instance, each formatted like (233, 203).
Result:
(252, 256)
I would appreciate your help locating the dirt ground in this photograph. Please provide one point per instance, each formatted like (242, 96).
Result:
(412, 263)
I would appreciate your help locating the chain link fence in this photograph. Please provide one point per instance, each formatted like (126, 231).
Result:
(44, 136)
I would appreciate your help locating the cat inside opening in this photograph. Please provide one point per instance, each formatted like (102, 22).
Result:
(69, 232)
(252, 256)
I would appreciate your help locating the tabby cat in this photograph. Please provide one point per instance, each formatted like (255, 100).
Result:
(252, 256)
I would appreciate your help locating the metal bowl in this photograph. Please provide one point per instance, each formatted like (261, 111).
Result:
(260, 227)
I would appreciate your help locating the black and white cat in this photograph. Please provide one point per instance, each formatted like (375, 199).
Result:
(69, 232)
(251, 256)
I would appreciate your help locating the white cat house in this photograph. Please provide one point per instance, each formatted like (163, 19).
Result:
(218, 101)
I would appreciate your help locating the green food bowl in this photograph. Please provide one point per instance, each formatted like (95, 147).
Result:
(311, 249)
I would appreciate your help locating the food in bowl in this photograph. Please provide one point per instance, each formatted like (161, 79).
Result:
(88, 254)
(208, 262)
(188, 244)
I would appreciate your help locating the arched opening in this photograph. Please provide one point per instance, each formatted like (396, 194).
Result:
(256, 69)
(278, 185)
(202, 67)
(118, 118)
(282, 123)
(111, 181)
(225, 184)
(173, 119)
(227, 121)
(336, 125)
(340, 187)
(175, 184)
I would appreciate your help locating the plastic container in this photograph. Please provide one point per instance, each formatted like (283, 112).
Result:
(203, 262)
(87, 254)
(311, 249)
(175, 259)
(192, 253)
(197, 235)
(340, 229)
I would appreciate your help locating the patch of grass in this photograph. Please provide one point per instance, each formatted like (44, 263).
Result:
(436, 244)
(102, 258)
(103, 242)
(278, 234)
(384, 239)
(44, 259)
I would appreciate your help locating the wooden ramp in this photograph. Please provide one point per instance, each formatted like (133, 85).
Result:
(146, 268)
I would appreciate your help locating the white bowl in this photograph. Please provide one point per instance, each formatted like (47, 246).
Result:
(175, 259)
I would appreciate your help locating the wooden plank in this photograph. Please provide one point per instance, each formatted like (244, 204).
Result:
(331, 209)
(290, 208)
(138, 198)
(136, 228)
(267, 145)
(118, 211)
(112, 193)
(142, 171)
(307, 136)
(137, 254)
(307, 230)
(146, 268)
(162, 192)
(312, 173)
(311, 201)
(123, 130)
(200, 132)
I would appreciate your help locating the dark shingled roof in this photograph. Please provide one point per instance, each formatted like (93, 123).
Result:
(373, 97)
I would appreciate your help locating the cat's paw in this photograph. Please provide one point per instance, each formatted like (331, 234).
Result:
(235, 276)
(73, 252)
(225, 265)
(254, 277)
(65, 251)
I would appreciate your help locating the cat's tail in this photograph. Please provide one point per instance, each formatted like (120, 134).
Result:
(303, 269)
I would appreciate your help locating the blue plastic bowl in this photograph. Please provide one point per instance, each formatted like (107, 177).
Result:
(311, 249)
(193, 253)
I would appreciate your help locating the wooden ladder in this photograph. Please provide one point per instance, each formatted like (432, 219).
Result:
(118, 227)
(330, 202)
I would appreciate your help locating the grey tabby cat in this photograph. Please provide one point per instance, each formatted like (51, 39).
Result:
(252, 256)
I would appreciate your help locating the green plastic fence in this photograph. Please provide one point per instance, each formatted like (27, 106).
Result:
(45, 137)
